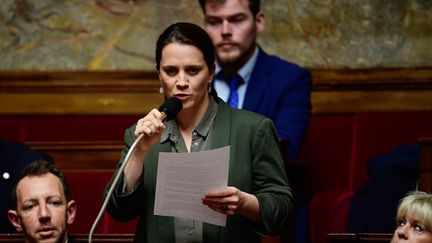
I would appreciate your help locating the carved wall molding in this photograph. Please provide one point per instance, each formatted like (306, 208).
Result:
(131, 92)
(75, 156)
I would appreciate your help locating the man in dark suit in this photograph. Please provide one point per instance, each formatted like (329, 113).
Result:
(14, 156)
(268, 85)
(42, 209)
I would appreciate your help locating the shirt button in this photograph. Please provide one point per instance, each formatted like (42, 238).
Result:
(196, 143)
(194, 133)
(6, 175)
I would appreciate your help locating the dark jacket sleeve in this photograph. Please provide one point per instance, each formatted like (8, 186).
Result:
(270, 182)
(293, 115)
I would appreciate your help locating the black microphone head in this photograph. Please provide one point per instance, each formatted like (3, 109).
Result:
(171, 107)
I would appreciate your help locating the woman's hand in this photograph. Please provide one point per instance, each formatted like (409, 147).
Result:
(226, 201)
(231, 200)
(152, 127)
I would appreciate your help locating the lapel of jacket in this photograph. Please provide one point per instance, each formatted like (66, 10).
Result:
(221, 126)
(221, 132)
(258, 81)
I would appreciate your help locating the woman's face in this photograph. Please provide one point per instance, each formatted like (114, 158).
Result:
(411, 230)
(185, 75)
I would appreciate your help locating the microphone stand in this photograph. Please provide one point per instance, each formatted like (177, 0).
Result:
(113, 185)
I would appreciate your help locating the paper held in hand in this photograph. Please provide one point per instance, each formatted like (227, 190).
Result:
(184, 178)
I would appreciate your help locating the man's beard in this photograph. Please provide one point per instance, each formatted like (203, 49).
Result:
(228, 58)
(232, 61)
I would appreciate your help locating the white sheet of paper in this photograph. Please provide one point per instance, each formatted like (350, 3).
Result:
(184, 178)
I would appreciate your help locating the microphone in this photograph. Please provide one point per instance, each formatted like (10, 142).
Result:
(169, 109)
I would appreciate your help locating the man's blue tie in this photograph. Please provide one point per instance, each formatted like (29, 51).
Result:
(233, 82)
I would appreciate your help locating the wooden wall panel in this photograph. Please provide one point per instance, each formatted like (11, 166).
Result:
(62, 103)
(359, 238)
(354, 101)
(82, 155)
(127, 92)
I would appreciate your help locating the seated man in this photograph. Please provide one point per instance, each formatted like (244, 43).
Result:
(247, 77)
(14, 156)
(42, 208)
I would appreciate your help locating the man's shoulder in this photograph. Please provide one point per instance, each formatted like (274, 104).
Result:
(277, 63)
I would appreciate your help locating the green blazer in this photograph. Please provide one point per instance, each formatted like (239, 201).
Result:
(255, 167)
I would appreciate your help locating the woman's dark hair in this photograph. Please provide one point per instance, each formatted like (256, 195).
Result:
(39, 168)
(187, 34)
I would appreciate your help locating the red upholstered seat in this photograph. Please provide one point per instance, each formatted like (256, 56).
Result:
(371, 134)
(86, 189)
(329, 213)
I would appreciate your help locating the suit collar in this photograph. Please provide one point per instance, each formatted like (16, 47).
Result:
(245, 72)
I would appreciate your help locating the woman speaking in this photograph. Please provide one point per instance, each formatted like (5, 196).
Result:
(257, 200)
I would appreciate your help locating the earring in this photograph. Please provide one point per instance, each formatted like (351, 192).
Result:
(209, 88)
(161, 90)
